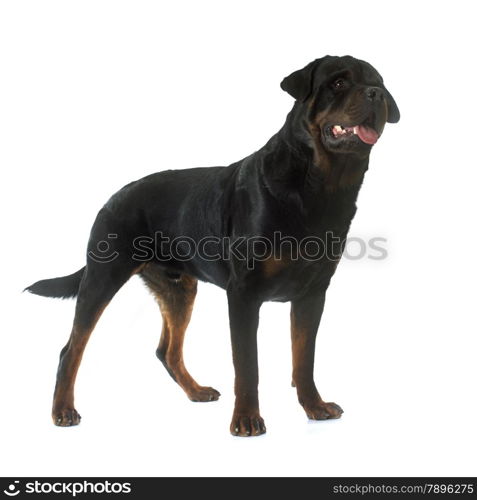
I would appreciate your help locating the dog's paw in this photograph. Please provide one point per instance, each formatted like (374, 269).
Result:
(323, 411)
(66, 418)
(247, 425)
(203, 394)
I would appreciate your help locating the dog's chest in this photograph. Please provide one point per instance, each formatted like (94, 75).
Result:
(286, 279)
(305, 254)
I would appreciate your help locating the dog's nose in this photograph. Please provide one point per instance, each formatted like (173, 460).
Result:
(374, 94)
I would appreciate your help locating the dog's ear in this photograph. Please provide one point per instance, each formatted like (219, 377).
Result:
(300, 83)
(393, 110)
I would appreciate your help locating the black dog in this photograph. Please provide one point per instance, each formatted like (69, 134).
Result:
(303, 183)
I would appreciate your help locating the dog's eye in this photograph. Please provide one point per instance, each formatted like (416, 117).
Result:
(339, 83)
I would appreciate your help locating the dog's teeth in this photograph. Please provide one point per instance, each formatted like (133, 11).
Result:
(338, 128)
(355, 130)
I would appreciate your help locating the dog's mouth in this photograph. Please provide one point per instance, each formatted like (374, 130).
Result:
(347, 136)
(365, 133)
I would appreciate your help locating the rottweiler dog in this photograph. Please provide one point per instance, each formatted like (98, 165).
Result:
(221, 224)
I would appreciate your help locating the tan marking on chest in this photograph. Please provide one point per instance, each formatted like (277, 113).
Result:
(273, 266)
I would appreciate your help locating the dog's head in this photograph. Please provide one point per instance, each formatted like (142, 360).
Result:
(345, 103)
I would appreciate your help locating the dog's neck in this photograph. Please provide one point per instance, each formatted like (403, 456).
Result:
(326, 172)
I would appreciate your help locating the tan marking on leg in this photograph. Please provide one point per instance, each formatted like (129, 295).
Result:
(64, 413)
(176, 301)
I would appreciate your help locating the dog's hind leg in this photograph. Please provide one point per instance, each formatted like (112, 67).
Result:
(98, 286)
(175, 294)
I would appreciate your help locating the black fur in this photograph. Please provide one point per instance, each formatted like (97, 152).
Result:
(304, 182)
(65, 287)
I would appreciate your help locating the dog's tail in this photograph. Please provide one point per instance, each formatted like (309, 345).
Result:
(65, 287)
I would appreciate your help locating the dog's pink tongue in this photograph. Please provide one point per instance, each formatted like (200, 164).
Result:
(366, 134)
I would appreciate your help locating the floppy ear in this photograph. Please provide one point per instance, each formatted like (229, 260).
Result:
(393, 110)
(300, 83)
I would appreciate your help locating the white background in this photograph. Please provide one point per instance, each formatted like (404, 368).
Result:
(96, 93)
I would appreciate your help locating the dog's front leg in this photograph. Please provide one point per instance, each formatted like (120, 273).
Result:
(243, 315)
(305, 318)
